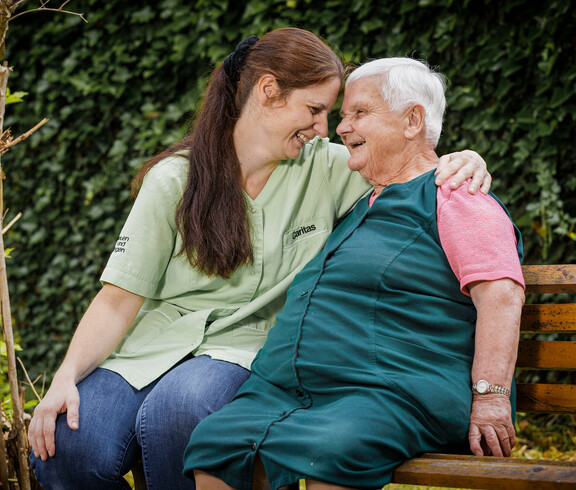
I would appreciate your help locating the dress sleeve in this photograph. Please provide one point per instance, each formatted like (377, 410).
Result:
(148, 238)
(477, 236)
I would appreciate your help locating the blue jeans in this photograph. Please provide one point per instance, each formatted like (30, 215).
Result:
(119, 424)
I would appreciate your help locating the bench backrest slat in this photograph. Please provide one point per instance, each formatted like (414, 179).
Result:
(549, 318)
(539, 397)
(540, 354)
(535, 394)
(550, 278)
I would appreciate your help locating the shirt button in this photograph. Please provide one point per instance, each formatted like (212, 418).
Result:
(299, 394)
(254, 447)
(253, 210)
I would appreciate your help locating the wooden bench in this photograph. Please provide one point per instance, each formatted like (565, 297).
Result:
(445, 470)
(460, 471)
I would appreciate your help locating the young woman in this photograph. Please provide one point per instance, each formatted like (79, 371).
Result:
(222, 223)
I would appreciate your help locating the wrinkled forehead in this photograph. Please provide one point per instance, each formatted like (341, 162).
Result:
(362, 93)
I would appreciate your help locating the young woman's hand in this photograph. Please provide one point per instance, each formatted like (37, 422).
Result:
(62, 397)
(464, 165)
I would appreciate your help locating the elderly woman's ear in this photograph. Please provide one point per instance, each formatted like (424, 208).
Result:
(415, 122)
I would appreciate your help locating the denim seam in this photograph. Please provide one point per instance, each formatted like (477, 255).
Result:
(143, 442)
(123, 455)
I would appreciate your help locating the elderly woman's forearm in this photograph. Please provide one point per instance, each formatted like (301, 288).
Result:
(499, 305)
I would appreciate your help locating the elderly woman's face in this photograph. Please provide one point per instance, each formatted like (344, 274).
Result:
(368, 129)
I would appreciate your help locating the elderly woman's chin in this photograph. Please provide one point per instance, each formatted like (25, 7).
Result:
(359, 165)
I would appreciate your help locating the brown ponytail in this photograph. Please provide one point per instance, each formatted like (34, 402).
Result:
(212, 216)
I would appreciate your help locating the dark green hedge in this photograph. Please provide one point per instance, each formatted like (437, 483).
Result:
(124, 85)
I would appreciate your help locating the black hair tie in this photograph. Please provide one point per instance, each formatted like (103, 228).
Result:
(235, 61)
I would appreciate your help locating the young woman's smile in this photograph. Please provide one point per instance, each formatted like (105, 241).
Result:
(301, 117)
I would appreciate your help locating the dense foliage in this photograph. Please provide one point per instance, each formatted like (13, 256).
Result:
(122, 86)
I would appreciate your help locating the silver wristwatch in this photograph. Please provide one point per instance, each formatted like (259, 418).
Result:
(483, 387)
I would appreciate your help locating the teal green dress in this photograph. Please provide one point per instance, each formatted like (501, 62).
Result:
(369, 362)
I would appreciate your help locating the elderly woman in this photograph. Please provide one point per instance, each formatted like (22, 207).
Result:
(400, 336)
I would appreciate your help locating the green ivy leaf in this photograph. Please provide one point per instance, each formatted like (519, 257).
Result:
(13, 98)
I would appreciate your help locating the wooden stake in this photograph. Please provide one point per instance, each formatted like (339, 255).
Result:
(18, 422)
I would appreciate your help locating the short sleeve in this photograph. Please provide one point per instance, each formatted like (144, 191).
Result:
(148, 238)
(478, 237)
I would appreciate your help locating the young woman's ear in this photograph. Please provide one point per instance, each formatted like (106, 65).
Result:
(267, 89)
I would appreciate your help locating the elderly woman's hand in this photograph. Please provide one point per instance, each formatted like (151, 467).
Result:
(491, 430)
(463, 165)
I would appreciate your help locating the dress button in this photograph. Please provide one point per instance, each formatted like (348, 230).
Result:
(299, 394)
(282, 414)
(254, 447)
(304, 293)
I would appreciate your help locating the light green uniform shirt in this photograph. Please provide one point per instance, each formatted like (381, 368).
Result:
(187, 312)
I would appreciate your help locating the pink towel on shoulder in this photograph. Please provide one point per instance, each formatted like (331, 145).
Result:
(477, 237)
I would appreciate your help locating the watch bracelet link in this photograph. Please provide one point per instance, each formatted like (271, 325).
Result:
(483, 387)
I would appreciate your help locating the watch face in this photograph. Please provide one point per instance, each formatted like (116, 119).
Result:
(482, 386)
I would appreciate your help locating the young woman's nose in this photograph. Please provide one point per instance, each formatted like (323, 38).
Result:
(321, 126)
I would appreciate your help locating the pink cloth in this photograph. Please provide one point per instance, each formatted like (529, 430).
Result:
(477, 237)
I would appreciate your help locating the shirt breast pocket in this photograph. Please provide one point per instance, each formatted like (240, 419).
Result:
(310, 235)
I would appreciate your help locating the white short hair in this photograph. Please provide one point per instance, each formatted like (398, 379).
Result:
(405, 82)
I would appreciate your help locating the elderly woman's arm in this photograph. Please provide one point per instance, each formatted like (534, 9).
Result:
(499, 305)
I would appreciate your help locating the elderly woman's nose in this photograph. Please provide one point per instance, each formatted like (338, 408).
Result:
(343, 127)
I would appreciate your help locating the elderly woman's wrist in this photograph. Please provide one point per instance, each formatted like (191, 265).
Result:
(484, 387)
(489, 396)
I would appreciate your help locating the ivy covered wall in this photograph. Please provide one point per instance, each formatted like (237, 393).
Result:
(124, 85)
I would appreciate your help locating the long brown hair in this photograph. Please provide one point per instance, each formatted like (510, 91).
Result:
(212, 216)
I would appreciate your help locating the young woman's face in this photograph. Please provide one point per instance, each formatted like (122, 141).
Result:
(302, 116)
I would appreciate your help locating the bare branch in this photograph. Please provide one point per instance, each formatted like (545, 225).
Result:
(28, 378)
(6, 142)
(9, 225)
(47, 9)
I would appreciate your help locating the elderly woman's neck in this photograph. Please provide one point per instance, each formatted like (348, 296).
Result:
(408, 169)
